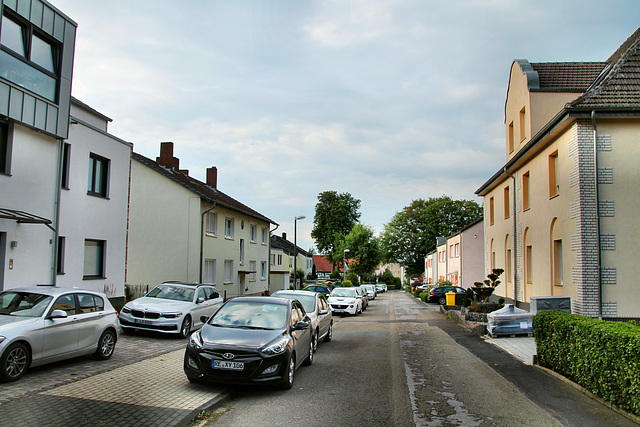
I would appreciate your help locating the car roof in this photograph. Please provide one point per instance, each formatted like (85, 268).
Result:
(52, 290)
(268, 300)
(296, 292)
(179, 283)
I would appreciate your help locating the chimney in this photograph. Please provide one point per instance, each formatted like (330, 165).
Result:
(212, 177)
(166, 158)
(284, 236)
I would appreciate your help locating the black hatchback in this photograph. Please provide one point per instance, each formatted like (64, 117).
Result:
(439, 293)
(251, 340)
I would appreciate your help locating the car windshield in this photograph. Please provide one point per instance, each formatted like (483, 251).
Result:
(251, 315)
(343, 293)
(177, 293)
(25, 304)
(308, 301)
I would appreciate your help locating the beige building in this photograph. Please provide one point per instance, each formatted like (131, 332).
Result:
(187, 230)
(559, 214)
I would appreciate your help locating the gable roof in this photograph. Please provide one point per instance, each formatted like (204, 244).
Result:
(322, 263)
(278, 242)
(206, 192)
(566, 76)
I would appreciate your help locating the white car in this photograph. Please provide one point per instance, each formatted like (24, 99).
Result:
(171, 307)
(46, 324)
(316, 307)
(371, 291)
(345, 301)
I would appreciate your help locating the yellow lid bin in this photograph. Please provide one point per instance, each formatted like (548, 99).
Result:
(451, 298)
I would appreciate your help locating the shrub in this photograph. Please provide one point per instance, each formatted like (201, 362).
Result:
(353, 277)
(602, 356)
(347, 284)
(416, 292)
(335, 275)
(397, 282)
(469, 297)
(423, 296)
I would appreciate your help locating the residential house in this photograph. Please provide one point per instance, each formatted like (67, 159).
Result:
(37, 43)
(321, 266)
(431, 268)
(472, 254)
(282, 272)
(441, 248)
(187, 230)
(559, 213)
(453, 259)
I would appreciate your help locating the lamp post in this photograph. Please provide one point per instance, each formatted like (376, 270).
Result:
(295, 250)
(344, 264)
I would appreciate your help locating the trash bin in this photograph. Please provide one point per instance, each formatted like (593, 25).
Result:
(451, 298)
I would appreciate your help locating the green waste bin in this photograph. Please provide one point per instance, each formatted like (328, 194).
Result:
(451, 298)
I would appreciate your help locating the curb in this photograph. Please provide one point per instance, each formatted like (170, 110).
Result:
(210, 406)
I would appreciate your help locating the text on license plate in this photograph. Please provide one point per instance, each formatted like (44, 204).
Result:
(142, 322)
(224, 364)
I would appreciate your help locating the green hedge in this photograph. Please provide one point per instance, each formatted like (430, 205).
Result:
(423, 296)
(603, 357)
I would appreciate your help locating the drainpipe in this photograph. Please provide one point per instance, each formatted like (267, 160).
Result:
(597, 197)
(515, 239)
(269, 257)
(202, 237)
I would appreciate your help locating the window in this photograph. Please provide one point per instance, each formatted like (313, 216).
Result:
(526, 191)
(228, 271)
(264, 235)
(252, 268)
(508, 265)
(491, 211)
(228, 228)
(273, 259)
(557, 262)
(457, 250)
(523, 133)
(253, 233)
(211, 224)
(279, 259)
(450, 251)
(5, 149)
(263, 270)
(241, 251)
(506, 203)
(98, 175)
(528, 263)
(90, 303)
(60, 262)
(66, 303)
(94, 258)
(554, 186)
(28, 56)
(66, 162)
(210, 271)
(510, 138)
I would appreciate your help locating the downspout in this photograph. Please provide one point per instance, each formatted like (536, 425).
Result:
(269, 258)
(56, 215)
(515, 239)
(202, 237)
(597, 196)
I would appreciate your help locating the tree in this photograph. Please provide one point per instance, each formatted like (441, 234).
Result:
(336, 214)
(411, 234)
(364, 250)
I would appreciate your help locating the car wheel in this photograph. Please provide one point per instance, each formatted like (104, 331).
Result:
(185, 329)
(14, 361)
(309, 360)
(442, 301)
(106, 345)
(289, 375)
(314, 340)
(329, 335)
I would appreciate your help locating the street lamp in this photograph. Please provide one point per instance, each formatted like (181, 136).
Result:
(344, 264)
(295, 250)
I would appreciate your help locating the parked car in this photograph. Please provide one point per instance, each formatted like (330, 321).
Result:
(345, 301)
(371, 291)
(251, 340)
(44, 324)
(362, 294)
(381, 287)
(323, 289)
(171, 307)
(317, 308)
(438, 294)
(425, 288)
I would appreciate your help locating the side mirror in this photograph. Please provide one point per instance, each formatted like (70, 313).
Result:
(300, 326)
(204, 319)
(200, 300)
(323, 312)
(58, 314)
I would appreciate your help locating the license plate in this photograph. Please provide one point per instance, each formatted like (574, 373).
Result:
(142, 322)
(338, 310)
(223, 364)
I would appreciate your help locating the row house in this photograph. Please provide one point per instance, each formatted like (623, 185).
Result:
(186, 230)
(558, 213)
(283, 253)
(458, 258)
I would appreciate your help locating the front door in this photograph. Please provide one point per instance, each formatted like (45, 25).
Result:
(243, 279)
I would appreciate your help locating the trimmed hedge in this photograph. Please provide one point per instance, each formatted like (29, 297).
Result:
(602, 356)
(423, 296)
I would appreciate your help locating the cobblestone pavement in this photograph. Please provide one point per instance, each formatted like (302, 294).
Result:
(142, 384)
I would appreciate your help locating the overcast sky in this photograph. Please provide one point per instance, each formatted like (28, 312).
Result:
(389, 100)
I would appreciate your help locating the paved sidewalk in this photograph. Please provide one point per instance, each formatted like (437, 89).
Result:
(153, 392)
(524, 348)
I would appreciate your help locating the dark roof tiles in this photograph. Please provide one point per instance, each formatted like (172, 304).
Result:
(567, 76)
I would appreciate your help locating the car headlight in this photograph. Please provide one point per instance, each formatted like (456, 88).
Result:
(277, 348)
(195, 342)
(171, 315)
(2, 338)
(126, 309)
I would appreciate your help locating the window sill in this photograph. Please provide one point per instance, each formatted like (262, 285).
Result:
(211, 235)
(229, 238)
(228, 283)
(553, 196)
(98, 195)
(253, 241)
(93, 277)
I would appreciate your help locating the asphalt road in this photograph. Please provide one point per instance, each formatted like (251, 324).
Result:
(390, 367)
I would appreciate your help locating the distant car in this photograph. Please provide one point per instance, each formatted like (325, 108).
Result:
(317, 308)
(171, 307)
(45, 324)
(345, 301)
(381, 287)
(251, 340)
(438, 294)
(424, 288)
(323, 289)
(362, 294)
(371, 291)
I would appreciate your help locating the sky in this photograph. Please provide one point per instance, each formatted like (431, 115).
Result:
(388, 100)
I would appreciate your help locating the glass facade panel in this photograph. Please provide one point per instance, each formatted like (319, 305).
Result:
(26, 76)
(12, 36)
(42, 53)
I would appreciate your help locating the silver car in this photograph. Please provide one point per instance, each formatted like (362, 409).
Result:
(316, 307)
(45, 324)
(171, 307)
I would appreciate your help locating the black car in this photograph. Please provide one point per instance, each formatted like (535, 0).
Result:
(439, 293)
(322, 289)
(251, 340)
